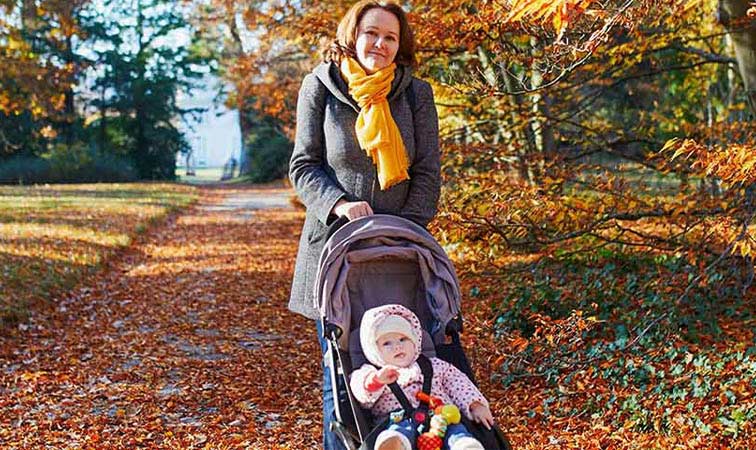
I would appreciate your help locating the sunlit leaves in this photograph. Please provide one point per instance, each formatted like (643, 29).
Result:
(28, 81)
(174, 345)
(559, 12)
(733, 165)
(52, 236)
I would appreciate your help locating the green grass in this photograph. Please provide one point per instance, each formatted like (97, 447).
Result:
(53, 236)
(212, 175)
(203, 175)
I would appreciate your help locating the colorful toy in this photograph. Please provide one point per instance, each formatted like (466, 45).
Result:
(429, 441)
(442, 416)
(450, 412)
(438, 425)
(432, 401)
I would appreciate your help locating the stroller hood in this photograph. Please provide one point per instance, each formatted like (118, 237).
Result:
(386, 241)
(372, 321)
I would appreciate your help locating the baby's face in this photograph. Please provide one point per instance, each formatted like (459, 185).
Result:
(396, 349)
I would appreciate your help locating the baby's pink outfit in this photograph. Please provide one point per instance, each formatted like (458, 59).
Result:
(449, 384)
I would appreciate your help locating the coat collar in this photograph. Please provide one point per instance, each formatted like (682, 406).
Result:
(328, 73)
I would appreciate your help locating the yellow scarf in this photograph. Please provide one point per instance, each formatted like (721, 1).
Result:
(376, 130)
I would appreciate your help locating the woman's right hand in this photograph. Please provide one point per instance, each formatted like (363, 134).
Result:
(352, 210)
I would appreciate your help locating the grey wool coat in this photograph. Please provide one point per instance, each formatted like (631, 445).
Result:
(328, 164)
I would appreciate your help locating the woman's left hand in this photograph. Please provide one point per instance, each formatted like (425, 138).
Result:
(352, 210)
(482, 414)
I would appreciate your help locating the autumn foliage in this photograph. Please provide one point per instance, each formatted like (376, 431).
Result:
(598, 201)
(35, 86)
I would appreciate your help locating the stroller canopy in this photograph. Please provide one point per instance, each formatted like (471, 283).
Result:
(382, 259)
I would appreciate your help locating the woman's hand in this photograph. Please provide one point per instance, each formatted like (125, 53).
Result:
(481, 414)
(352, 210)
(387, 375)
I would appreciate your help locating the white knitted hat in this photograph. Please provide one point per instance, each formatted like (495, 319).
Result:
(394, 324)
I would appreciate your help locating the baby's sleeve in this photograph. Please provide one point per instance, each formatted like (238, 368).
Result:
(357, 382)
(460, 389)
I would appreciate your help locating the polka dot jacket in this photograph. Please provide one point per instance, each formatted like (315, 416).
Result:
(449, 384)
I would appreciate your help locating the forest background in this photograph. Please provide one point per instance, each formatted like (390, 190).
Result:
(598, 160)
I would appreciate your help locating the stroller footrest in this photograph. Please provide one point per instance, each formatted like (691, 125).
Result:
(342, 432)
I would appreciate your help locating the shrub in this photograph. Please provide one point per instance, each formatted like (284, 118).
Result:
(63, 164)
(269, 153)
(24, 170)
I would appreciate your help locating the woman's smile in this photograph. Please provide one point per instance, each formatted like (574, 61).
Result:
(377, 39)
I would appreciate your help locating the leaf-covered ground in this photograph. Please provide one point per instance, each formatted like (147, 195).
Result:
(52, 236)
(185, 342)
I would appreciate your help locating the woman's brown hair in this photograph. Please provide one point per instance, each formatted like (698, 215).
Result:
(346, 34)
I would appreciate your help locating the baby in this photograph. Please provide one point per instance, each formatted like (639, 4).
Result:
(391, 338)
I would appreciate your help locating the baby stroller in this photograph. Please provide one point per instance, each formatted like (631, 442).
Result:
(364, 262)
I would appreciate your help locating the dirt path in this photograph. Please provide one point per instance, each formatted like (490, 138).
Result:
(185, 342)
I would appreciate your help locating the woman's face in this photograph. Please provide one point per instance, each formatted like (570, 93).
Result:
(377, 39)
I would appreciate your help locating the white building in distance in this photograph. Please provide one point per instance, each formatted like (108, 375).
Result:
(215, 138)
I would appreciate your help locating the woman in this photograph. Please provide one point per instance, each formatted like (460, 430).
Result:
(362, 97)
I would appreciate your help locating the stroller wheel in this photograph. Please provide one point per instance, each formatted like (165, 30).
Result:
(344, 435)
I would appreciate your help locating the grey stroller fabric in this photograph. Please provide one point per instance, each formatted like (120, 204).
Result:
(382, 259)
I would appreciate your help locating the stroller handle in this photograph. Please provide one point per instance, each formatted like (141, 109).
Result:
(334, 226)
(331, 330)
(454, 326)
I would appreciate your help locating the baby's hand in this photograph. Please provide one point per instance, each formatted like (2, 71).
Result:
(480, 413)
(387, 375)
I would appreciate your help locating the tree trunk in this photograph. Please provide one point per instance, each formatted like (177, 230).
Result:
(543, 139)
(524, 140)
(143, 161)
(733, 15)
(245, 165)
(29, 20)
(520, 139)
(245, 124)
(103, 135)
(70, 111)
